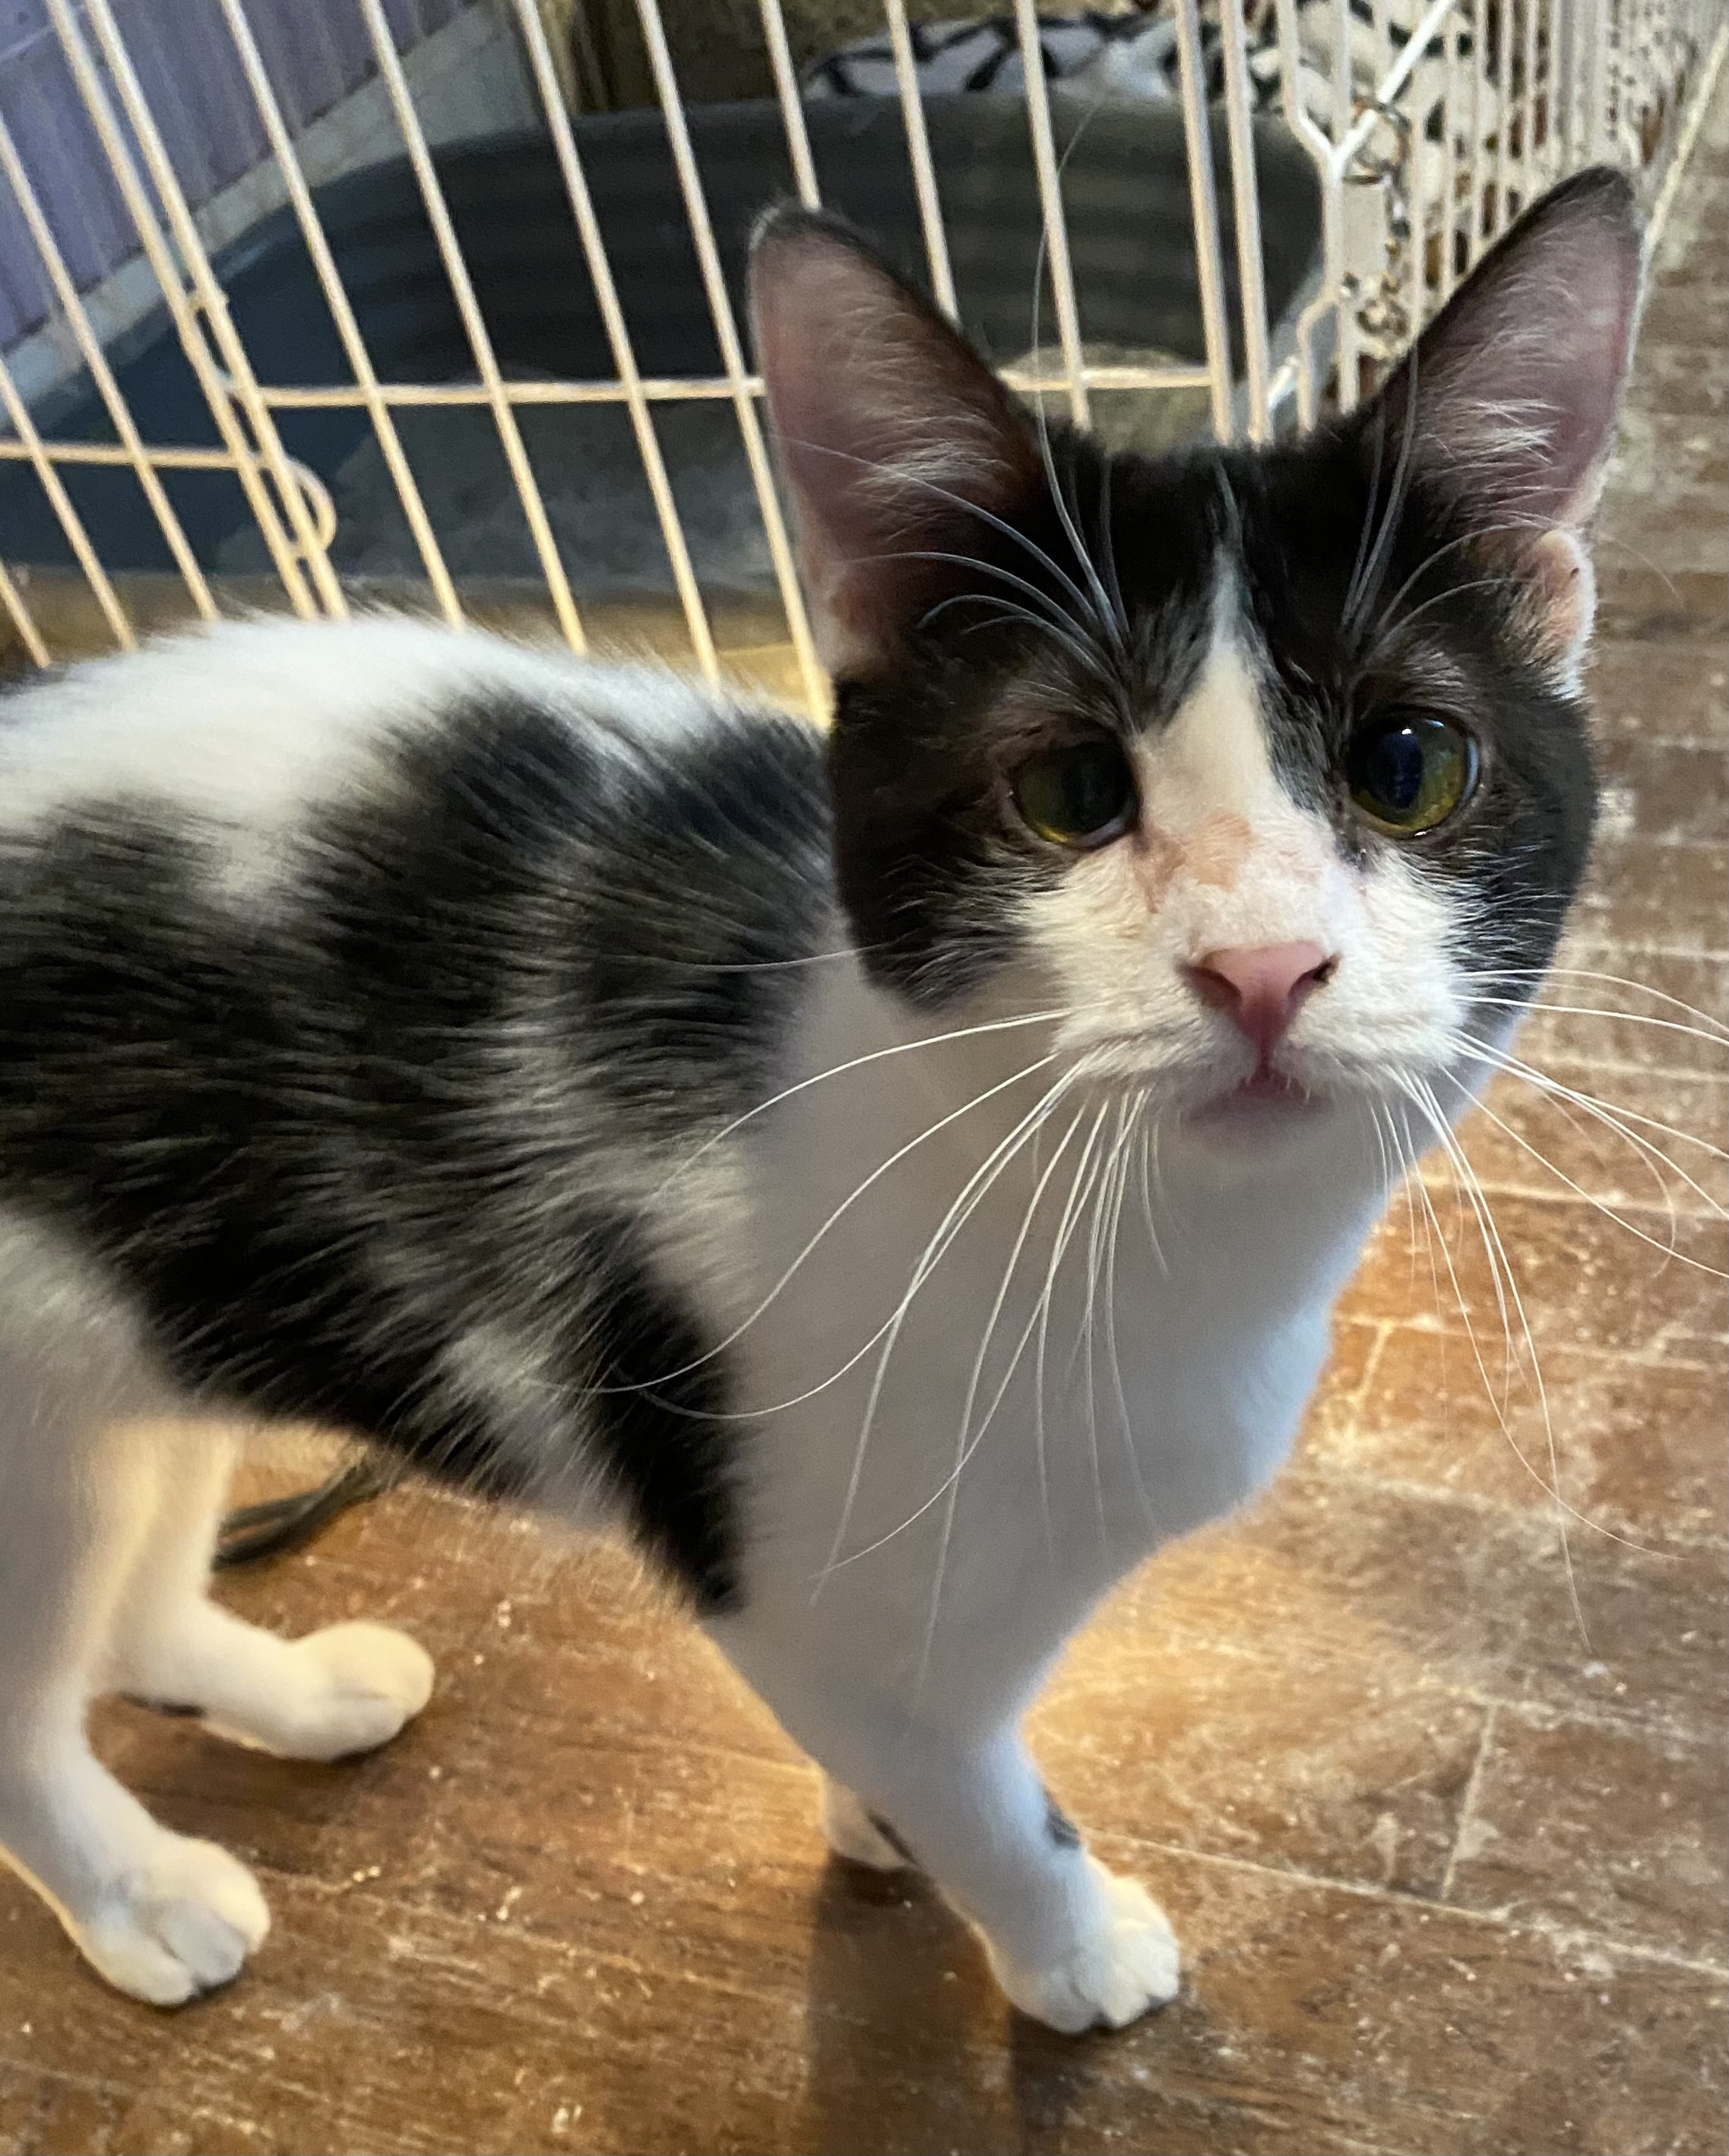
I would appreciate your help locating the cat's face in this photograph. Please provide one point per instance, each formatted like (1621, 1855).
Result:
(1269, 770)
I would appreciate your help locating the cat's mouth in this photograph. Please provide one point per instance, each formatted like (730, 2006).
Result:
(1202, 1094)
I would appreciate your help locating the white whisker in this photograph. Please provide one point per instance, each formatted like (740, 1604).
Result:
(1107, 547)
(1614, 1118)
(1149, 1164)
(1512, 977)
(1362, 594)
(846, 1205)
(1385, 623)
(971, 1195)
(1095, 1236)
(1110, 623)
(840, 1071)
(998, 524)
(1668, 1250)
(965, 1449)
(1122, 1403)
(1058, 628)
(1620, 1017)
(1422, 1213)
(1079, 1191)
(1496, 1250)
(1353, 585)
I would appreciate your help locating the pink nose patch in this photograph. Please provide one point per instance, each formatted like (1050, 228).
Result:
(1261, 987)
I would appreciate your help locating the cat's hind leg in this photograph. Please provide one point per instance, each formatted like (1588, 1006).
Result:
(345, 1688)
(160, 1915)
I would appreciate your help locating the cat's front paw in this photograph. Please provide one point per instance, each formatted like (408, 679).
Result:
(180, 1923)
(1127, 1966)
(349, 1688)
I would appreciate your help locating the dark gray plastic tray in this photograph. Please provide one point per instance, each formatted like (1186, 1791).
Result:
(1124, 186)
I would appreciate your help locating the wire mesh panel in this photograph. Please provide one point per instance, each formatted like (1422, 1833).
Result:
(313, 303)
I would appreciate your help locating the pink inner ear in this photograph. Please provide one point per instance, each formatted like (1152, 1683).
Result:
(892, 431)
(1517, 381)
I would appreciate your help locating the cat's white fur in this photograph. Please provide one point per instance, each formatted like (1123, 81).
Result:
(904, 1598)
(63, 740)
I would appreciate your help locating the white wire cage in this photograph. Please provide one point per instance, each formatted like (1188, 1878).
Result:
(313, 303)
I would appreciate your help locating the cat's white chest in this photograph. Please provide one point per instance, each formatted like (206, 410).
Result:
(995, 1372)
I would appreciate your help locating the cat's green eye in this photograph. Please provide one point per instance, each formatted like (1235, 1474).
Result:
(1083, 795)
(1409, 771)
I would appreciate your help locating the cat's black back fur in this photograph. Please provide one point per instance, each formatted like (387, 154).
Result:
(309, 1133)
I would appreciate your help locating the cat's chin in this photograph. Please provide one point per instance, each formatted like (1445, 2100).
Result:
(1267, 1109)
(1268, 1089)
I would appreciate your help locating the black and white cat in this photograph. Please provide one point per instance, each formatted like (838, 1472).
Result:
(900, 1181)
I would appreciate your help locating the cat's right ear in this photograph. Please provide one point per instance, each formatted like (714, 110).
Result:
(897, 443)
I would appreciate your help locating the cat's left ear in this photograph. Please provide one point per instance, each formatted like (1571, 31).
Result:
(1509, 399)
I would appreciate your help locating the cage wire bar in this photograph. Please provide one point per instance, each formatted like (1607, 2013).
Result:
(918, 151)
(89, 351)
(1428, 123)
(225, 392)
(300, 195)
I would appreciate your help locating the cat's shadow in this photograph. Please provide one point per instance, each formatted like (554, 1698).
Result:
(910, 2046)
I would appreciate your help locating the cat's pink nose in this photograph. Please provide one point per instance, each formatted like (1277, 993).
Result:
(1262, 986)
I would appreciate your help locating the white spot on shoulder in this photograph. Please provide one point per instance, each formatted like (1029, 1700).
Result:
(248, 727)
(243, 724)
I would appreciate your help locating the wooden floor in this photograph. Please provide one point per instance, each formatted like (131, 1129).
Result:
(1445, 1847)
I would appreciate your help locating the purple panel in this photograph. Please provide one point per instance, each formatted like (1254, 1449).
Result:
(317, 52)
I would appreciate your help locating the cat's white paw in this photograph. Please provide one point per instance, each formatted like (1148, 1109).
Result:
(182, 1921)
(1127, 1967)
(350, 1688)
(854, 1834)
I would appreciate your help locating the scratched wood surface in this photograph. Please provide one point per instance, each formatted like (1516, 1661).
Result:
(1449, 1870)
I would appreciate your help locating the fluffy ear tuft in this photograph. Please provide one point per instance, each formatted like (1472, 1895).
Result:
(1511, 394)
(896, 441)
